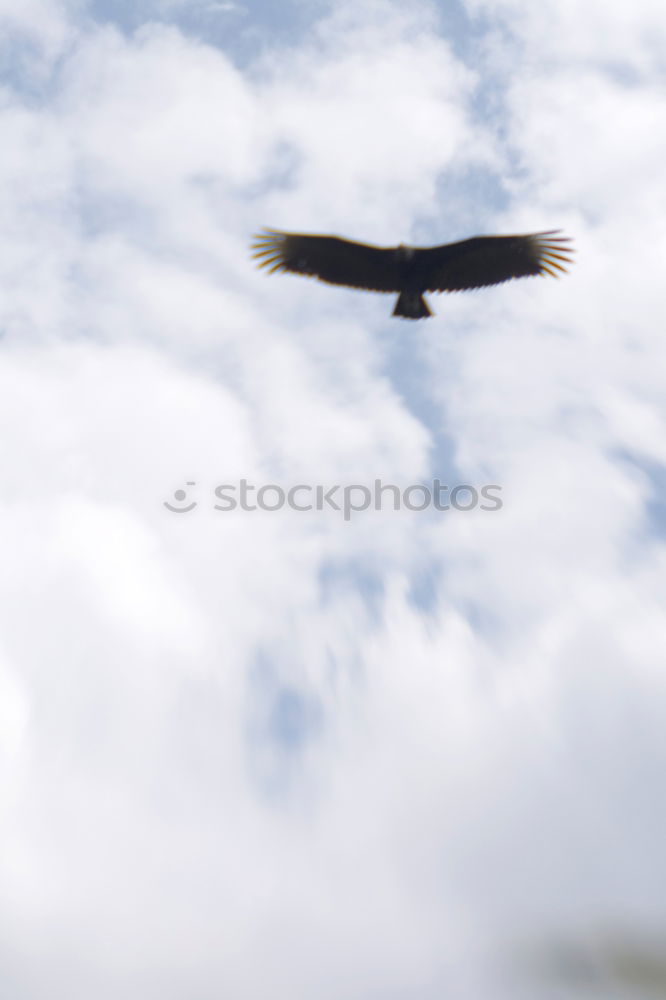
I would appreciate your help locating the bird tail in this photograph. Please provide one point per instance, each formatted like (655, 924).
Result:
(411, 305)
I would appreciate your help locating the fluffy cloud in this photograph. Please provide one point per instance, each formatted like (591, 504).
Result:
(252, 751)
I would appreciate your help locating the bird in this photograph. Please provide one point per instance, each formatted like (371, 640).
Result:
(411, 271)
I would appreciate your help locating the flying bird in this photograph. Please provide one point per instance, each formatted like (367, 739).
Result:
(411, 271)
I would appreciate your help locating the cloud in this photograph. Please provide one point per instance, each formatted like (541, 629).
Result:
(382, 755)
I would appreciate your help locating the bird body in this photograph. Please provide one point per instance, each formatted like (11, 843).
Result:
(411, 271)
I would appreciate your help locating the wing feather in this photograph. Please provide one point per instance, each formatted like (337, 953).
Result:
(490, 260)
(329, 258)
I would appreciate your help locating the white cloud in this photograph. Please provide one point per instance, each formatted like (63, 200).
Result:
(37, 31)
(239, 736)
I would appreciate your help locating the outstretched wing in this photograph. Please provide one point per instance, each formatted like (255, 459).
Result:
(329, 258)
(489, 260)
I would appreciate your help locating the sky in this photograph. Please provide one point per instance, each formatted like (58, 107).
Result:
(352, 754)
